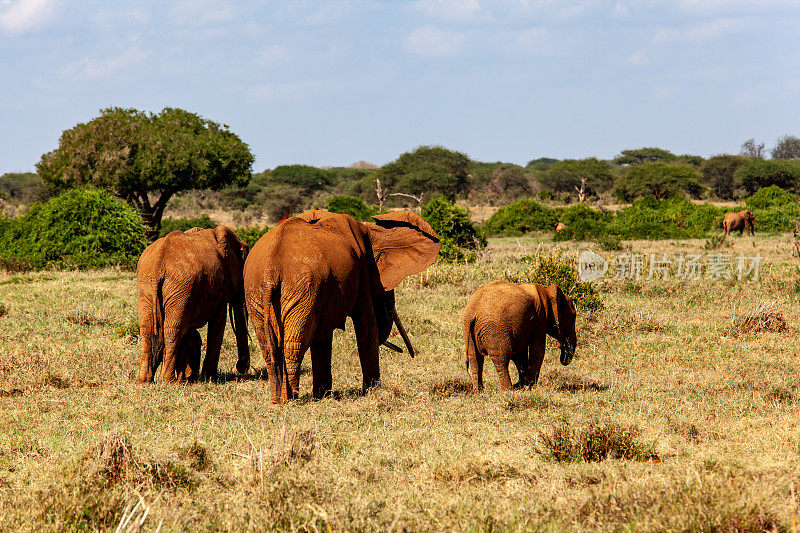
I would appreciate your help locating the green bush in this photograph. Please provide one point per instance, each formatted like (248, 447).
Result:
(561, 270)
(673, 218)
(520, 218)
(81, 227)
(182, 224)
(772, 196)
(304, 177)
(457, 233)
(582, 223)
(350, 205)
(251, 235)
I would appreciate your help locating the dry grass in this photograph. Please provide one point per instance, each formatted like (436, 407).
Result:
(658, 372)
(764, 318)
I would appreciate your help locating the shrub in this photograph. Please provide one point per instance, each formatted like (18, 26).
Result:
(674, 218)
(519, 218)
(582, 223)
(658, 179)
(541, 163)
(304, 177)
(772, 196)
(182, 224)
(595, 443)
(81, 227)
(350, 205)
(557, 269)
(251, 235)
(457, 233)
(281, 201)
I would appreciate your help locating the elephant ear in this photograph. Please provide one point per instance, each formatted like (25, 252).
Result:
(234, 252)
(563, 308)
(403, 243)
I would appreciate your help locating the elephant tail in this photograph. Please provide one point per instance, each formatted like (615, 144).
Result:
(157, 333)
(273, 320)
(472, 345)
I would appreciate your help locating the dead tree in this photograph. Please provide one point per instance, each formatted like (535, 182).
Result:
(382, 196)
(582, 190)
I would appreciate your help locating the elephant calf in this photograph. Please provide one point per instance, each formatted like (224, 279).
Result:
(510, 322)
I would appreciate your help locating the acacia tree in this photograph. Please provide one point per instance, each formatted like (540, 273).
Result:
(146, 158)
(788, 147)
(428, 170)
(639, 156)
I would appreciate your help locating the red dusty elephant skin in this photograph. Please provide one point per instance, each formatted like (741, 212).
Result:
(509, 322)
(741, 221)
(307, 275)
(183, 282)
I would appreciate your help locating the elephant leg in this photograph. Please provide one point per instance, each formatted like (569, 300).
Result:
(274, 359)
(147, 359)
(535, 359)
(191, 347)
(321, 366)
(171, 371)
(216, 330)
(501, 365)
(293, 357)
(366, 327)
(521, 362)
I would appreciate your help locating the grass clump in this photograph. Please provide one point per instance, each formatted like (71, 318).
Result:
(85, 228)
(451, 387)
(595, 443)
(764, 318)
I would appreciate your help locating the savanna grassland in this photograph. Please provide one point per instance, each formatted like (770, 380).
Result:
(674, 415)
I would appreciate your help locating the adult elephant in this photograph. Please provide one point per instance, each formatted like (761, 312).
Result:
(307, 275)
(741, 221)
(184, 281)
(510, 322)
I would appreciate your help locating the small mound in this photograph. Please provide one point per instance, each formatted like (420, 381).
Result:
(451, 387)
(764, 318)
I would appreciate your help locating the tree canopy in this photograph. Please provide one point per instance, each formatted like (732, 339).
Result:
(565, 176)
(428, 170)
(644, 155)
(660, 180)
(788, 147)
(138, 155)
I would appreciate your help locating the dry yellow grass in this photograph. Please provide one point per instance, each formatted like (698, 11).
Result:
(84, 447)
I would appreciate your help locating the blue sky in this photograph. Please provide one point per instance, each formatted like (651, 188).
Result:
(332, 82)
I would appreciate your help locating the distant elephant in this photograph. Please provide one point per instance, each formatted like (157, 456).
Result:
(307, 275)
(509, 322)
(183, 282)
(741, 221)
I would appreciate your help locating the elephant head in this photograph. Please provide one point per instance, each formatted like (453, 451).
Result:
(749, 221)
(562, 325)
(234, 252)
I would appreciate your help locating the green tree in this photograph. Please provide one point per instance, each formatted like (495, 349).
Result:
(351, 205)
(788, 147)
(140, 155)
(541, 163)
(428, 170)
(718, 174)
(755, 174)
(22, 187)
(566, 175)
(639, 156)
(307, 178)
(458, 235)
(658, 179)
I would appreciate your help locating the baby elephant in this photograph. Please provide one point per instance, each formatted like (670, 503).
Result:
(509, 322)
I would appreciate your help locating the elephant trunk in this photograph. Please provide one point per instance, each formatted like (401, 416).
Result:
(403, 334)
(239, 324)
(567, 350)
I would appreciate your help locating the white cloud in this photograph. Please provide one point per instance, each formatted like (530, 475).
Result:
(638, 59)
(727, 5)
(699, 33)
(271, 55)
(22, 15)
(449, 9)
(96, 70)
(201, 13)
(434, 42)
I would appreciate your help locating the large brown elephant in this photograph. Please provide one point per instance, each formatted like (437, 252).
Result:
(741, 221)
(307, 275)
(183, 282)
(510, 322)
